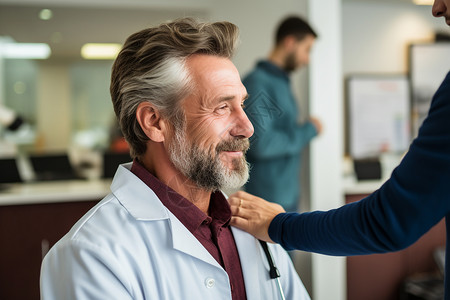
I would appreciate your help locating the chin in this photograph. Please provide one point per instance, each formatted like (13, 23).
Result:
(234, 179)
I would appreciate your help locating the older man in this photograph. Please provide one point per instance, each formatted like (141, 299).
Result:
(163, 232)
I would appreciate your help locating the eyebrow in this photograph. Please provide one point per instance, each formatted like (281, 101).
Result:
(228, 98)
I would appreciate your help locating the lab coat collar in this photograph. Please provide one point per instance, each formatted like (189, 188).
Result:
(137, 198)
(143, 204)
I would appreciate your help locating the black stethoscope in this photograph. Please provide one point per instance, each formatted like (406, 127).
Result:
(273, 271)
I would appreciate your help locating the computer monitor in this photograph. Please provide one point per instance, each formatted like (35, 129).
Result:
(48, 167)
(9, 172)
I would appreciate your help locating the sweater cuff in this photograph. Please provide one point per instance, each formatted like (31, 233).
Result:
(276, 229)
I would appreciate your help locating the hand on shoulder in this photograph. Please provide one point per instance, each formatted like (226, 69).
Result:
(253, 214)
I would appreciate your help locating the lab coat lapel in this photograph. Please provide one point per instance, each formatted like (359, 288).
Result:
(143, 204)
(248, 248)
(184, 241)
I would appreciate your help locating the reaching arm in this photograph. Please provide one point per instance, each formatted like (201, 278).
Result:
(414, 199)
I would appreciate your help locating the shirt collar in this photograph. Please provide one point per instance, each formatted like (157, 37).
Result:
(185, 211)
(274, 69)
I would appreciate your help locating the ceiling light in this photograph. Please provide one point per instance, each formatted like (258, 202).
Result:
(423, 2)
(45, 14)
(100, 51)
(25, 50)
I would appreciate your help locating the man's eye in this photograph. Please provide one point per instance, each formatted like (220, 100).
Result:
(222, 107)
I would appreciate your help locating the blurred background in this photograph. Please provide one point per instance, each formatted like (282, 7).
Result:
(64, 95)
(55, 62)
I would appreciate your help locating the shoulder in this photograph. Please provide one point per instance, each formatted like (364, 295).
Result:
(258, 76)
(98, 226)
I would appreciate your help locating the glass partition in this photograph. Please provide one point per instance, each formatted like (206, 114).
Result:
(62, 97)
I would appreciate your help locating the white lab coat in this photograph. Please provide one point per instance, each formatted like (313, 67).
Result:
(130, 246)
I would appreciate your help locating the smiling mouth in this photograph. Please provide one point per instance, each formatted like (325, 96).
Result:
(233, 146)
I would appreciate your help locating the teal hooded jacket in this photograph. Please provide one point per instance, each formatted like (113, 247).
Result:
(278, 140)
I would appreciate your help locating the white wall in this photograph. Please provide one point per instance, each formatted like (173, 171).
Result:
(257, 21)
(53, 110)
(376, 34)
(325, 76)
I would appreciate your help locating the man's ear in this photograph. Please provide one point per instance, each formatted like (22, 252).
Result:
(151, 122)
(289, 42)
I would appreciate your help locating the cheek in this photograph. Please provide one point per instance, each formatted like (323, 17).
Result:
(206, 133)
(300, 56)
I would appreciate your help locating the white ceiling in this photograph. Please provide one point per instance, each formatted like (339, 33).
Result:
(76, 22)
(71, 27)
(191, 4)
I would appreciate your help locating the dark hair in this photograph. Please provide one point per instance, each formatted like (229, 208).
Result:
(295, 26)
(151, 67)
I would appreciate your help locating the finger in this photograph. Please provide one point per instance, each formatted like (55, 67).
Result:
(234, 209)
(245, 225)
(242, 195)
(240, 211)
(246, 196)
(239, 222)
(233, 201)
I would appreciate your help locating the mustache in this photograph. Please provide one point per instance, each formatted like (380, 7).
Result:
(233, 145)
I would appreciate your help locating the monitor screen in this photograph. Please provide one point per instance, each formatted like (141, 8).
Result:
(9, 172)
(52, 167)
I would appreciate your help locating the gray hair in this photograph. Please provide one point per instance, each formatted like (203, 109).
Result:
(152, 67)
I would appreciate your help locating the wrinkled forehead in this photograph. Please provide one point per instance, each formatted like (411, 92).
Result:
(214, 78)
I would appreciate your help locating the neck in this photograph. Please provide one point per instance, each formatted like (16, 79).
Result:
(157, 162)
(277, 57)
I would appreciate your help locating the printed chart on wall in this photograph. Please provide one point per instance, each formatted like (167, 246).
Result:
(429, 63)
(379, 114)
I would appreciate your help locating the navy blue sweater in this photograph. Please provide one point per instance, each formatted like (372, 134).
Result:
(414, 199)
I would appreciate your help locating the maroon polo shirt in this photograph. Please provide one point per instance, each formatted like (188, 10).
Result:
(212, 231)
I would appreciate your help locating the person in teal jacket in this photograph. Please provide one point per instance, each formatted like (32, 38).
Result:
(414, 199)
(276, 145)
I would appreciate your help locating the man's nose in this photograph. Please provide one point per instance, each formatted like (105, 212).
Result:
(439, 8)
(242, 126)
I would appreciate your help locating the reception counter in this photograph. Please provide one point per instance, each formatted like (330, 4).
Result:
(33, 217)
(53, 191)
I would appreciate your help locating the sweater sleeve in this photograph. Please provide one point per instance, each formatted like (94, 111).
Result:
(414, 199)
